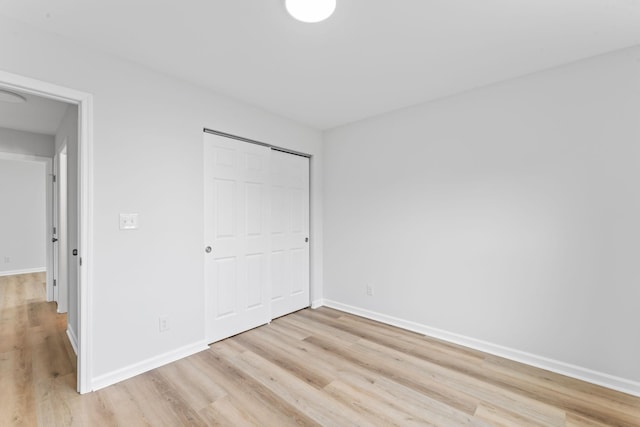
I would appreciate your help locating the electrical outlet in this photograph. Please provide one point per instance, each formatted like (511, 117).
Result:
(129, 221)
(369, 290)
(7, 260)
(163, 323)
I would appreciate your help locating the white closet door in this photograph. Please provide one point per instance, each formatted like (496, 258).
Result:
(289, 233)
(237, 232)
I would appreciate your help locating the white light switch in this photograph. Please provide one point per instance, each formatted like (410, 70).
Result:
(128, 221)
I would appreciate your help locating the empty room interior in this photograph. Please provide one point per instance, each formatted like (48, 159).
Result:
(320, 212)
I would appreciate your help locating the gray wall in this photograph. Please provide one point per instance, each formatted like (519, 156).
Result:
(22, 215)
(19, 142)
(508, 214)
(148, 144)
(22, 197)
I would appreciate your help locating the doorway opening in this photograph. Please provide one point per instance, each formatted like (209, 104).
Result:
(83, 226)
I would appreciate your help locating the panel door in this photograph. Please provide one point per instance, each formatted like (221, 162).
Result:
(236, 229)
(59, 237)
(54, 232)
(289, 233)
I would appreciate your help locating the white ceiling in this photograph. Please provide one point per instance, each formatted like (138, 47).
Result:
(371, 57)
(39, 115)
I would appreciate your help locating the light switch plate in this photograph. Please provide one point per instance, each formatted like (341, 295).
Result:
(129, 221)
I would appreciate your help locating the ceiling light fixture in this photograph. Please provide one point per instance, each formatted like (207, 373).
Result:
(310, 10)
(11, 97)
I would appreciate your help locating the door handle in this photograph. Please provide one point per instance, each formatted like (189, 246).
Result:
(208, 249)
(53, 239)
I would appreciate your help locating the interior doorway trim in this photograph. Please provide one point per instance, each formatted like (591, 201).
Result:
(84, 101)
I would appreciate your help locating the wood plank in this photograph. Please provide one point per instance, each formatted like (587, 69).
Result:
(226, 411)
(255, 398)
(16, 389)
(289, 330)
(424, 371)
(286, 359)
(58, 404)
(319, 406)
(159, 403)
(502, 417)
(313, 367)
(382, 397)
(580, 398)
(452, 397)
(187, 377)
(125, 408)
(375, 411)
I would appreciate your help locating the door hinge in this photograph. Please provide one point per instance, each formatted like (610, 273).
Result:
(80, 261)
(55, 283)
(54, 178)
(54, 230)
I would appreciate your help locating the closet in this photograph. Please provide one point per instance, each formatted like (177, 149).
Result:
(256, 234)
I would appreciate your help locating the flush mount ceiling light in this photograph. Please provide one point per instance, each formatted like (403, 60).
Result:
(310, 10)
(12, 97)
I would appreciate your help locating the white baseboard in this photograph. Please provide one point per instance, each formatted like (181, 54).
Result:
(317, 303)
(23, 271)
(578, 372)
(146, 365)
(73, 340)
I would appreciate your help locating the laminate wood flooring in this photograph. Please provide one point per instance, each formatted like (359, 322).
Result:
(311, 368)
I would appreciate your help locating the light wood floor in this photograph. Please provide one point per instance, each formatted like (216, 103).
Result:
(314, 367)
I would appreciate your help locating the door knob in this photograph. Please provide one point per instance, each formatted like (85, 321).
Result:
(208, 249)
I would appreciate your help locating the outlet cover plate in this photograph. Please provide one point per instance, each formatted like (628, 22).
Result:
(129, 221)
(163, 324)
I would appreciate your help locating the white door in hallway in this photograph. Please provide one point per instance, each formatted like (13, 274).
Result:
(237, 238)
(289, 233)
(60, 248)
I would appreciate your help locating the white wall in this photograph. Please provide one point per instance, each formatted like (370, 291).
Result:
(22, 216)
(148, 159)
(508, 214)
(20, 142)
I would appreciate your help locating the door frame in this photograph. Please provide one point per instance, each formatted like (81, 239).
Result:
(84, 101)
